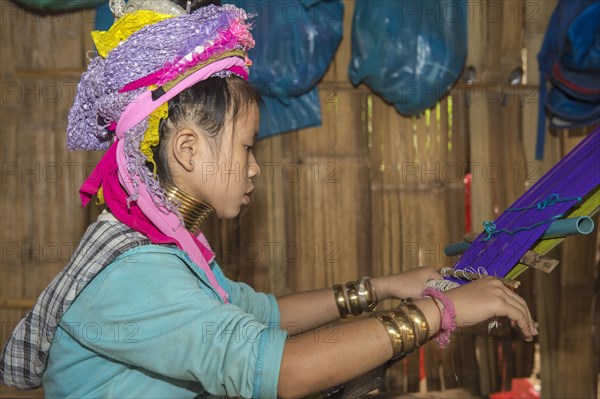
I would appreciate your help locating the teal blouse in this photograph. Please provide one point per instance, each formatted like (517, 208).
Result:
(150, 326)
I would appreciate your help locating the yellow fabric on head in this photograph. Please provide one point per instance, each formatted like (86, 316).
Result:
(124, 27)
(151, 137)
(100, 195)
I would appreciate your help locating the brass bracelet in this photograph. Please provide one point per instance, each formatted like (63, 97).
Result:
(367, 294)
(355, 297)
(393, 333)
(353, 302)
(421, 327)
(340, 300)
(406, 329)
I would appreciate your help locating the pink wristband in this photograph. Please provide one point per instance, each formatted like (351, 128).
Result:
(447, 315)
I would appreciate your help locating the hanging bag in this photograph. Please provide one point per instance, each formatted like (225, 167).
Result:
(409, 52)
(570, 60)
(295, 43)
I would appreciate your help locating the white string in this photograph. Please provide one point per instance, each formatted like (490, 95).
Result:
(481, 271)
(493, 324)
(469, 270)
(442, 285)
(463, 274)
(446, 271)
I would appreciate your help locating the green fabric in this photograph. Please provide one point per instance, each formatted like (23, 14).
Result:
(59, 5)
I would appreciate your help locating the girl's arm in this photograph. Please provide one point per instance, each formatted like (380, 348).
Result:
(305, 311)
(313, 362)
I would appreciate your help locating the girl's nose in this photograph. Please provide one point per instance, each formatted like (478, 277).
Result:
(253, 167)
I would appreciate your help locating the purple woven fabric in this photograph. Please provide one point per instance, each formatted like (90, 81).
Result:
(164, 42)
(576, 175)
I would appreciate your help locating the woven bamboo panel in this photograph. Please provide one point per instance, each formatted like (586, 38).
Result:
(320, 191)
(42, 221)
(496, 152)
(578, 301)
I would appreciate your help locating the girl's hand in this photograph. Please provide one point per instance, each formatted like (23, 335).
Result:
(487, 298)
(405, 285)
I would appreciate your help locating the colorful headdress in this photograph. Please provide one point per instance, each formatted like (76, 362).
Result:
(153, 52)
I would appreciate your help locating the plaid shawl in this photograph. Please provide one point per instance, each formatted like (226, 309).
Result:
(25, 355)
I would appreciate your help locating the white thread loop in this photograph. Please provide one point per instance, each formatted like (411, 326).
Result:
(442, 285)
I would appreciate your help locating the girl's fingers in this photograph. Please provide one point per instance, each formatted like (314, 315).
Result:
(432, 274)
(493, 299)
(526, 325)
(523, 305)
(436, 276)
(489, 297)
(516, 309)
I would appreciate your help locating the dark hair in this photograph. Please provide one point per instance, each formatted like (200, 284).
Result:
(208, 104)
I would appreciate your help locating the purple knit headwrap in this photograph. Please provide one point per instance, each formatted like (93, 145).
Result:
(155, 54)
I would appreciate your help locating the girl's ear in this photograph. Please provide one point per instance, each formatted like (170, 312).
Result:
(184, 147)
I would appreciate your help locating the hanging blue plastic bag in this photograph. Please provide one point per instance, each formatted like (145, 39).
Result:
(295, 42)
(570, 60)
(409, 52)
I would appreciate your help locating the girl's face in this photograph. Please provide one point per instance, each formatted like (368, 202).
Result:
(225, 181)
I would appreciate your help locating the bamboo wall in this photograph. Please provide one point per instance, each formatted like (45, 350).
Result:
(368, 192)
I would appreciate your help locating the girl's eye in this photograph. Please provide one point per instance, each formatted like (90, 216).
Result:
(248, 148)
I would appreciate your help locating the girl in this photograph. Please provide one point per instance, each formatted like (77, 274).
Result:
(143, 309)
